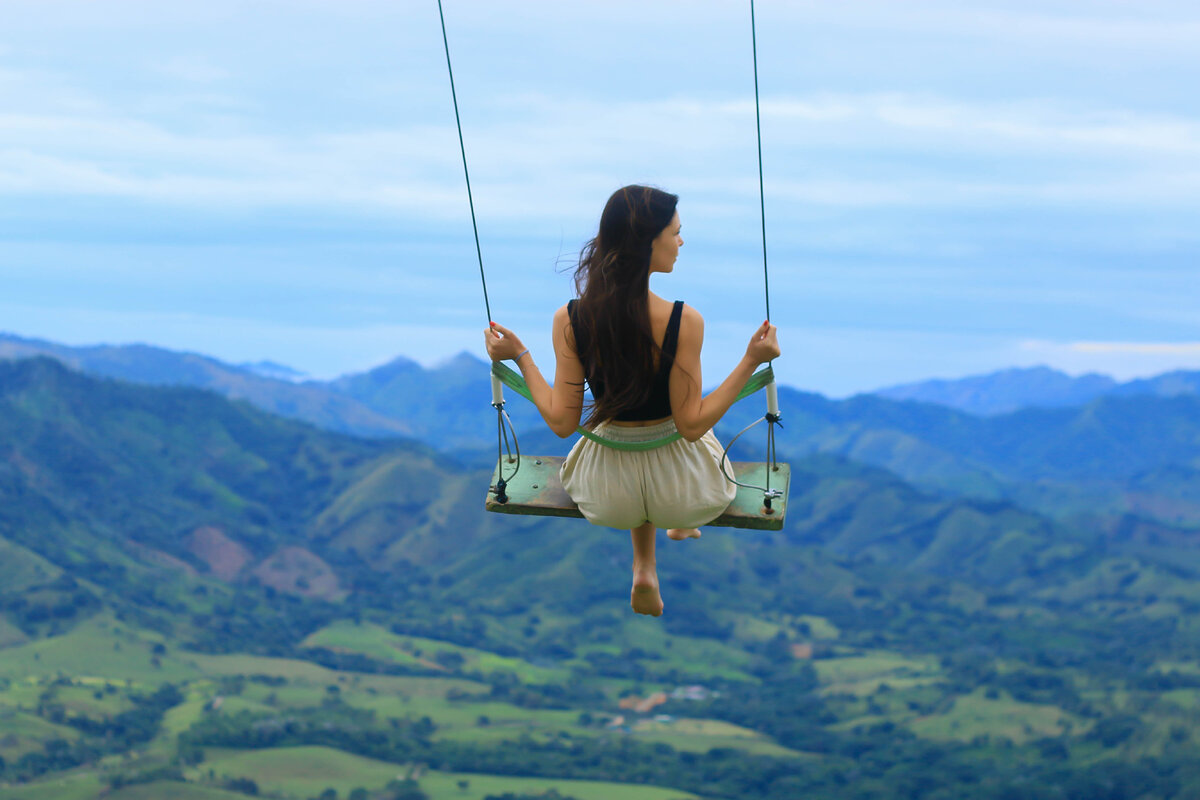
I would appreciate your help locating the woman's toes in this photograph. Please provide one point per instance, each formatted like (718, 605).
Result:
(646, 600)
(679, 534)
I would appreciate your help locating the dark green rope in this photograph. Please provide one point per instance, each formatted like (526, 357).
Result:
(470, 200)
(762, 203)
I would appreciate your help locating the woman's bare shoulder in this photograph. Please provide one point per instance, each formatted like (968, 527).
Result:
(562, 323)
(691, 317)
(691, 326)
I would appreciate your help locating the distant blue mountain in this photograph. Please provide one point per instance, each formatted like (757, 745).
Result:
(270, 369)
(1169, 384)
(1035, 387)
(311, 401)
(1109, 447)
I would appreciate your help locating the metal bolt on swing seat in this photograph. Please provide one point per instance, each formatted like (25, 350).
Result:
(768, 496)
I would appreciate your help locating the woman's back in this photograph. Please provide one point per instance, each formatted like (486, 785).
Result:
(665, 318)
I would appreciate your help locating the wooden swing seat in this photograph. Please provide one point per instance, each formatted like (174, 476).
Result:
(537, 491)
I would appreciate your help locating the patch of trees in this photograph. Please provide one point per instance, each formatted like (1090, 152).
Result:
(117, 734)
(466, 631)
(788, 709)
(357, 662)
(121, 780)
(506, 688)
(332, 725)
(139, 724)
(54, 603)
(259, 620)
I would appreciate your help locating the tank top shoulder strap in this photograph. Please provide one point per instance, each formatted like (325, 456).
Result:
(671, 338)
(574, 326)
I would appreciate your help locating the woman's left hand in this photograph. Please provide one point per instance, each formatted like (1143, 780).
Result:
(502, 343)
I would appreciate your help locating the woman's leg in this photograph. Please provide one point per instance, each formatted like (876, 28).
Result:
(644, 597)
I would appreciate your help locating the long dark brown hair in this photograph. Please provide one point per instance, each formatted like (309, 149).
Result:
(612, 317)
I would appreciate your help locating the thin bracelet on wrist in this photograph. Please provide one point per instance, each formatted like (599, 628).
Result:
(524, 353)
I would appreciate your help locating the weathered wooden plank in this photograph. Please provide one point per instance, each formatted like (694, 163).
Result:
(536, 490)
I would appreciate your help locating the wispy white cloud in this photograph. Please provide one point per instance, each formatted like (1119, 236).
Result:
(193, 69)
(1140, 348)
(1024, 154)
(1027, 123)
(1123, 360)
(1096, 24)
(526, 146)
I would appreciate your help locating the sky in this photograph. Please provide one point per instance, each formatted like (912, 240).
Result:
(951, 188)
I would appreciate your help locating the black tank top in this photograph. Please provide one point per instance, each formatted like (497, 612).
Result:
(658, 404)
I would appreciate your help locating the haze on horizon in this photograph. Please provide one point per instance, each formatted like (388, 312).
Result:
(951, 188)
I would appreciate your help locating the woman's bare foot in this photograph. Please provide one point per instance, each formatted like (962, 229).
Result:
(644, 597)
(679, 534)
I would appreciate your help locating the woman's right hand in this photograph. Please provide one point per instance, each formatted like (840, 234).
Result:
(764, 346)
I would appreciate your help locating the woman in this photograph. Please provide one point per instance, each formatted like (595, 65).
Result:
(640, 354)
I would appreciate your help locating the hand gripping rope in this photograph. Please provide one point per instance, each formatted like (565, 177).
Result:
(503, 421)
(772, 416)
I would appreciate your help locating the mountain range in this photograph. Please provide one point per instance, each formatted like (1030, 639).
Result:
(402, 398)
(115, 484)
(1040, 564)
(1062, 461)
(1010, 390)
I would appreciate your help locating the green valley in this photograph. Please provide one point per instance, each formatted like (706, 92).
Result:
(201, 600)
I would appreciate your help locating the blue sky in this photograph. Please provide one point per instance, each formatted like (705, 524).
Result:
(952, 187)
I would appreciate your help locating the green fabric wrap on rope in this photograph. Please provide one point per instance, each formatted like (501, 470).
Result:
(513, 380)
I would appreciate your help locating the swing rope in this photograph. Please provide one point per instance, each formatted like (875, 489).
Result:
(772, 416)
(502, 418)
(466, 173)
(762, 201)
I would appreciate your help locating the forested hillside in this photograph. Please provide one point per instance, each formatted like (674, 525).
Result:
(200, 599)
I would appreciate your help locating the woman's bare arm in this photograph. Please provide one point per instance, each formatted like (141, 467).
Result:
(560, 405)
(694, 414)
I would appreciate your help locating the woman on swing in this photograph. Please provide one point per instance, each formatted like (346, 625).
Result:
(640, 354)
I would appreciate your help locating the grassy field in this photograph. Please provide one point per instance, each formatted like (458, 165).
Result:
(10, 634)
(1002, 717)
(863, 674)
(172, 790)
(301, 772)
(445, 786)
(380, 643)
(702, 735)
(22, 733)
(20, 694)
(82, 785)
(20, 568)
(99, 647)
(690, 735)
(92, 701)
(93, 670)
(107, 661)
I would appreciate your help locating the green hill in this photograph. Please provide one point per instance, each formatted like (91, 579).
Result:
(192, 589)
(1113, 454)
